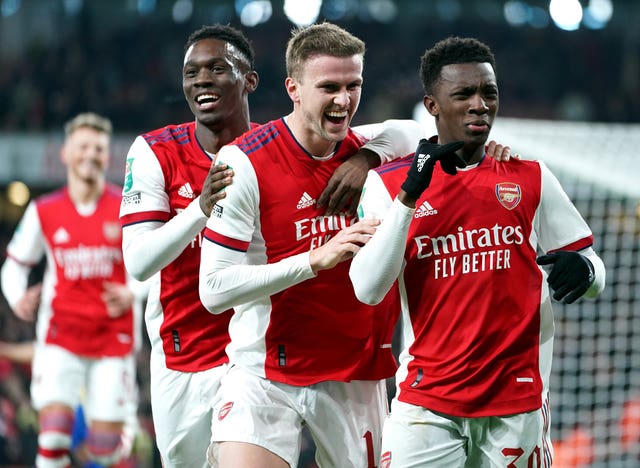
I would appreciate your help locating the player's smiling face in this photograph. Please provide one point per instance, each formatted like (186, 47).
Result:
(464, 102)
(326, 96)
(86, 154)
(213, 80)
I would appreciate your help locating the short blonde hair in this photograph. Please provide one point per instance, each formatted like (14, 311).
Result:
(319, 39)
(90, 120)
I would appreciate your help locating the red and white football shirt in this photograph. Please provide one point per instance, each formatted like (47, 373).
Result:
(166, 169)
(314, 328)
(79, 260)
(478, 325)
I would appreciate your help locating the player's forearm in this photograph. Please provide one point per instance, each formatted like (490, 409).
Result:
(377, 265)
(225, 282)
(14, 279)
(396, 138)
(149, 247)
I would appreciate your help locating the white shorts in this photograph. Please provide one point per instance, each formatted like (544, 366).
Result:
(59, 376)
(416, 437)
(181, 408)
(344, 418)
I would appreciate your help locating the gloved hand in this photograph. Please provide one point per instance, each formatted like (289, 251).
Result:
(571, 274)
(424, 160)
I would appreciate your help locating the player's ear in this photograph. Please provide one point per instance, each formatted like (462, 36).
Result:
(291, 85)
(251, 80)
(431, 105)
(63, 153)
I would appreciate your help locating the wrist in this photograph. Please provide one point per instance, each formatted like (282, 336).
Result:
(406, 199)
(371, 157)
(592, 272)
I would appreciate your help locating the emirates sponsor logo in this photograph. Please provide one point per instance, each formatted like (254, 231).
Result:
(468, 239)
(85, 262)
(224, 410)
(320, 229)
(508, 194)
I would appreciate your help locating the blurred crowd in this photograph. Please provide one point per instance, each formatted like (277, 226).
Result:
(132, 73)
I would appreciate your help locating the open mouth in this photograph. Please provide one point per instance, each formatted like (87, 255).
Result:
(205, 101)
(336, 117)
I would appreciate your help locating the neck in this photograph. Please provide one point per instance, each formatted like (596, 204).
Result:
(214, 137)
(314, 144)
(82, 191)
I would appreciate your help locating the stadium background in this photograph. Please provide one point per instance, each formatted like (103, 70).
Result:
(570, 95)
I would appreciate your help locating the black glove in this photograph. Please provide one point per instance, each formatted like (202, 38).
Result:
(424, 161)
(571, 274)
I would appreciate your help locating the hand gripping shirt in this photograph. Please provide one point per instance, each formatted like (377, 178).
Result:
(289, 325)
(478, 324)
(83, 252)
(166, 169)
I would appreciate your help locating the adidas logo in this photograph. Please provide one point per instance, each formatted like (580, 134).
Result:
(61, 236)
(425, 210)
(305, 201)
(422, 158)
(186, 191)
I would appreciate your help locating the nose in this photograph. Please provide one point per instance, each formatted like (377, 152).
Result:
(479, 104)
(342, 98)
(203, 75)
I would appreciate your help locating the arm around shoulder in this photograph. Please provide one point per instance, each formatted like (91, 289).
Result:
(393, 138)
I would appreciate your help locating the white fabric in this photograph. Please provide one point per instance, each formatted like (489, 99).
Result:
(183, 402)
(60, 377)
(149, 247)
(270, 414)
(392, 138)
(518, 441)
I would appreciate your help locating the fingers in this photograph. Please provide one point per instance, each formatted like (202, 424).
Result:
(546, 259)
(344, 199)
(574, 295)
(219, 177)
(323, 200)
(344, 245)
(497, 151)
(352, 208)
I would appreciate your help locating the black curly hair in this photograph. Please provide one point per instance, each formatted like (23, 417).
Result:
(227, 33)
(449, 51)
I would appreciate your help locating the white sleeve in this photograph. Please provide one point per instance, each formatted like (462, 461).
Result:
(150, 246)
(24, 251)
(226, 282)
(391, 139)
(226, 279)
(559, 221)
(561, 224)
(378, 264)
(599, 272)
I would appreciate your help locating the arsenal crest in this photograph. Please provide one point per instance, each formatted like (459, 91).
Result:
(508, 194)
